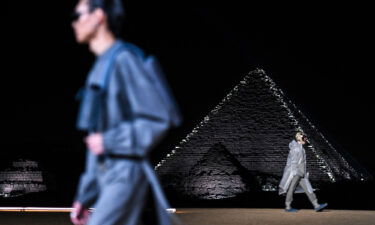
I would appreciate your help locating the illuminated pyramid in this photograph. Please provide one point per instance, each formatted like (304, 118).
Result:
(254, 123)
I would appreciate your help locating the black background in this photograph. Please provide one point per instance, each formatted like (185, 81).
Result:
(320, 55)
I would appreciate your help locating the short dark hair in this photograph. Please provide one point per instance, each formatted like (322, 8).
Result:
(114, 11)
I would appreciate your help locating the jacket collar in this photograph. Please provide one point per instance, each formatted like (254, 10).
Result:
(98, 72)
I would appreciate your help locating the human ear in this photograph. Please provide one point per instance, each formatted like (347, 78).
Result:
(99, 15)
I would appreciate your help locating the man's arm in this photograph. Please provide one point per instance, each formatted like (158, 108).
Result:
(88, 189)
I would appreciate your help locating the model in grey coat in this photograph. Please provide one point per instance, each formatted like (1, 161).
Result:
(295, 178)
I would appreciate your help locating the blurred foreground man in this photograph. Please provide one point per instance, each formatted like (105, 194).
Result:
(126, 108)
(295, 174)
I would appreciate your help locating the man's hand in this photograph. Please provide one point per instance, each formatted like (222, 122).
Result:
(79, 214)
(94, 143)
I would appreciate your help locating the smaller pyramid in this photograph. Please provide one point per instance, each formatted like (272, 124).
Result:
(22, 177)
(217, 175)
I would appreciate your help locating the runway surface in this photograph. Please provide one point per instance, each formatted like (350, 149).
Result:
(237, 216)
(216, 216)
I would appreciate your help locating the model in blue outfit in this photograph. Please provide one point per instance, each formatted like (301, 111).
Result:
(126, 109)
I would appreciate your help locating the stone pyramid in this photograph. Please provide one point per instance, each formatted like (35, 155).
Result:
(22, 177)
(254, 123)
(217, 175)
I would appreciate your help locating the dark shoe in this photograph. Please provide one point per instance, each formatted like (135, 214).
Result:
(321, 207)
(291, 210)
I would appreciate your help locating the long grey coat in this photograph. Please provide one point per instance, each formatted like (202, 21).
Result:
(127, 101)
(296, 165)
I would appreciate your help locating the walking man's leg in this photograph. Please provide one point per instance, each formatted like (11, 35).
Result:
(289, 195)
(312, 197)
(120, 203)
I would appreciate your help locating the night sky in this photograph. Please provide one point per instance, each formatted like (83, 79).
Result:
(320, 55)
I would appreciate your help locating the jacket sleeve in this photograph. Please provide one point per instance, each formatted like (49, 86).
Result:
(88, 189)
(295, 156)
(149, 119)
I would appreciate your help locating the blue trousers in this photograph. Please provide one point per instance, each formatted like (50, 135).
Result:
(123, 191)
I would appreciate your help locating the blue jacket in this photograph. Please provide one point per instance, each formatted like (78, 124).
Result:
(126, 99)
